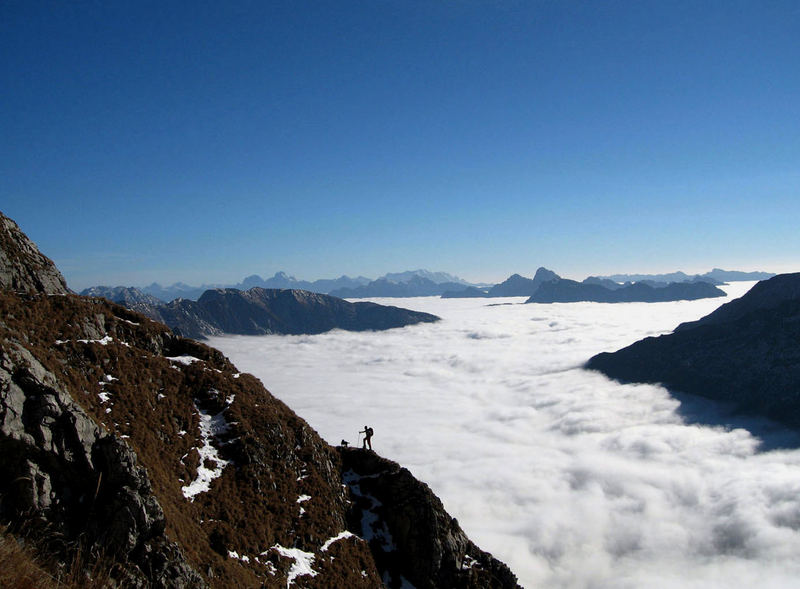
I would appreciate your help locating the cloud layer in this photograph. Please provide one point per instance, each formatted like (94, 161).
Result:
(573, 480)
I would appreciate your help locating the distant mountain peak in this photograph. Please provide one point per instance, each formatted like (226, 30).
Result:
(436, 277)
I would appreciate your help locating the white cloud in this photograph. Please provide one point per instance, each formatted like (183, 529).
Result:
(573, 480)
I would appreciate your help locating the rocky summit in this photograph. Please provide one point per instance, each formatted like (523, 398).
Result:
(747, 352)
(133, 457)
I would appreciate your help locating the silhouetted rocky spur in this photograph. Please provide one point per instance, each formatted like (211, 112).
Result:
(413, 538)
(746, 352)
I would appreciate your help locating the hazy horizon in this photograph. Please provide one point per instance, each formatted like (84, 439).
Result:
(526, 273)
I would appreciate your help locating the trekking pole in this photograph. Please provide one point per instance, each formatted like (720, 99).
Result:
(359, 440)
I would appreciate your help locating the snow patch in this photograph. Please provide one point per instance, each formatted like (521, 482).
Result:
(184, 359)
(469, 563)
(234, 554)
(302, 562)
(103, 342)
(210, 427)
(341, 536)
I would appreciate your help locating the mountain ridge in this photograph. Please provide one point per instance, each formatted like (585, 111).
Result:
(570, 291)
(260, 311)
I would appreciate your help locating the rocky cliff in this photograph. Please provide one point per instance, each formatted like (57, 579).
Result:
(129, 450)
(746, 352)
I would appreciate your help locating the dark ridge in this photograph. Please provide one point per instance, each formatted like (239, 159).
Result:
(746, 353)
(569, 291)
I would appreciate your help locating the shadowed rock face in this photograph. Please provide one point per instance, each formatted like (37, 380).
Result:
(746, 352)
(23, 268)
(412, 536)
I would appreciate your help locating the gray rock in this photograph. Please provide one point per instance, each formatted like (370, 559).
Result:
(61, 470)
(23, 267)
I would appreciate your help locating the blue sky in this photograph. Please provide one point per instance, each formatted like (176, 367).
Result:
(205, 141)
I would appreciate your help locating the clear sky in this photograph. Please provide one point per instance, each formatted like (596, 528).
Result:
(205, 141)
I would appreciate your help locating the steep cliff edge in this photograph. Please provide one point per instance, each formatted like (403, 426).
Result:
(126, 445)
(414, 540)
(746, 352)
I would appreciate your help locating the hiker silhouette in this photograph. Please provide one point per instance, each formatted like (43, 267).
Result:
(367, 437)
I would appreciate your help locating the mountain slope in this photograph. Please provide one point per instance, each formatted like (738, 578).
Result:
(747, 352)
(127, 447)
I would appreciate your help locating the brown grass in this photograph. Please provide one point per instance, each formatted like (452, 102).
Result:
(275, 456)
(20, 567)
(26, 565)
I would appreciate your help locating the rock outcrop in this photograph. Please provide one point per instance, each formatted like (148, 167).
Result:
(74, 481)
(747, 352)
(414, 539)
(126, 447)
(23, 268)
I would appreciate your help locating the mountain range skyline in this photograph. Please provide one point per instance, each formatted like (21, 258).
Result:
(421, 282)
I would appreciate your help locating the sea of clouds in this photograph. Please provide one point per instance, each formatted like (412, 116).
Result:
(573, 480)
